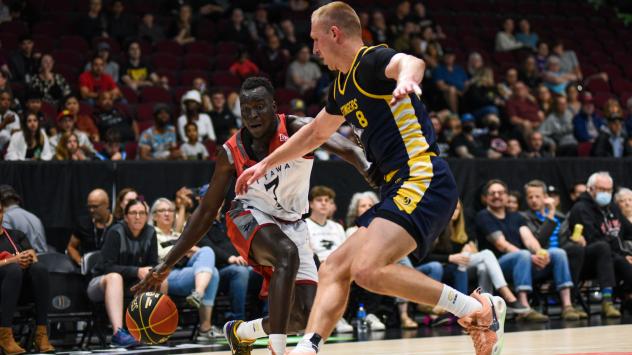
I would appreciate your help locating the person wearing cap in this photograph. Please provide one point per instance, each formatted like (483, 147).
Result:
(191, 104)
(33, 104)
(451, 79)
(137, 72)
(66, 123)
(31, 142)
(111, 67)
(613, 140)
(159, 142)
(587, 122)
(96, 80)
(15, 217)
(466, 145)
(52, 86)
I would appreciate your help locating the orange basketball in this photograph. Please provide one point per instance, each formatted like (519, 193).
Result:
(151, 317)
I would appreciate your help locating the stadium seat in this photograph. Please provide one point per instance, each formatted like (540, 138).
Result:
(224, 61)
(284, 96)
(211, 147)
(224, 78)
(44, 43)
(165, 61)
(70, 58)
(155, 94)
(144, 125)
(207, 30)
(187, 76)
(197, 61)
(172, 75)
(115, 47)
(74, 43)
(130, 95)
(145, 112)
(9, 40)
(598, 85)
(601, 97)
(131, 148)
(17, 28)
(169, 46)
(60, 6)
(200, 48)
(50, 111)
(228, 47)
(48, 28)
(85, 109)
(70, 73)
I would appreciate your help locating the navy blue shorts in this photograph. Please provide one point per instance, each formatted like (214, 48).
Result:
(420, 199)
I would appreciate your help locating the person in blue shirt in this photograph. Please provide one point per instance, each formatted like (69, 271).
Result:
(451, 79)
(525, 36)
(587, 122)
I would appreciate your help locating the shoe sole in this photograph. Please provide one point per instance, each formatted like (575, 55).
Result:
(500, 308)
(517, 310)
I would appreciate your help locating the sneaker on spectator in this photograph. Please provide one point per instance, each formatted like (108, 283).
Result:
(609, 311)
(210, 335)
(123, 339)
(343, 326)
(194, 299)
(374, 322)
(533, 316)
(516, 307)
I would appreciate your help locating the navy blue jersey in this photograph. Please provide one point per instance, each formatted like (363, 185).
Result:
(395, 137)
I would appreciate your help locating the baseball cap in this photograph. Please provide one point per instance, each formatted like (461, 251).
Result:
(552, 190)
(586, 98)
(103, 46)
(63, 114)
(467, 117)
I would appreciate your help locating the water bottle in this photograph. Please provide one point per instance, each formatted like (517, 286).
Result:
(361, 319)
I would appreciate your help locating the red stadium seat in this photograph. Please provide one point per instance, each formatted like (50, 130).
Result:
(144, 125)
(60, 6)
(224, 78)
(284, 96)
(48, 28)
(612, 70)
(187, 76)
(625, 97)
(130, 95)
(9, 40)
(50, 111)
(197, 61)
(620, 85)
(131, 148)
(169, 46)
(600, 98)
(211, 147)
(179, 92)
(70, 58)
(44, 43)
(596, 85)
(224, 61)
(115, 47)
(584, 149)
(200, 48)
(165, 61)
(206, 30)
(155, 94)
(74, 43)
(145, 112)
(85, 109)
(18, 28)
(228, 48)
(70, 73)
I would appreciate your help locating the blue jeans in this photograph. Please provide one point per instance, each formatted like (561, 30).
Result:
(433, 269)
(234, 282)
(516, 266)
(460, 278)
(182, 281)
(558, 267)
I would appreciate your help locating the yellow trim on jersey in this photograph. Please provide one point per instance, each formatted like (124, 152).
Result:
(364, 92)
(419, 163)
(351, 70)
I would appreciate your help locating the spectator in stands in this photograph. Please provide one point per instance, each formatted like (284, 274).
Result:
(542, 55)
(5, 15)
(628, 120)
(259, 23)
(31, 142)
(554, 78)
(302, 74)
(68, 148)
(9, 120)
(89, 233)
(587, 123)
(113, 149)
(121, 25)
(623, 198)
(519, 251)
(191, 105)
(66, 123)
(137, 73)
(234, 272)
(481, 97)
(536, 147)
(505, 40)
(224, 122)
(378, 28)
(4, 78)
(572, 97)
(23, 63)
(360, 203)
(514, 148)
(19, 266)
(506, 87)
(450, 79)
(603, 232)
(107, 117)
(402, 42)
(466, 145)
(122, 199)
(94, 23)
(325, 236)
(513, 201)
(237, 28)
(83, 122)
(557, 128)
(111, 66)
(522, 109)
(458, 252)
(289, 41)
(96, 81)
(365, 23)
(612, 140)
(243, 67)
(149, 31)
(192, 149)
(195, 276)
(52, 86)
(529, 73)
(568, 60)
(199, 84)
(398, 18)
(525, 36)
(576, 191)
(548, 225)
(545, 99)
(272, 59)
(183, 28)
(159, 142)
(15, 217)
(33, 104)
(474, 64)
(129, 251)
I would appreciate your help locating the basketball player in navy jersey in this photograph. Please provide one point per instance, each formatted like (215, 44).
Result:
(377, 91)
(265, 223)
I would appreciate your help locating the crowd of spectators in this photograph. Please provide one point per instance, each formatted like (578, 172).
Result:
(536, 107)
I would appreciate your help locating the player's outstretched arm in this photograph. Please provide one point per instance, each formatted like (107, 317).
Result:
(306, 139)
(408, 70)
(199, 223)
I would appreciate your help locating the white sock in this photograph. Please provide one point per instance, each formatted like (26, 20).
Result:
(251, 330)
(277, 343)
(457, 303)
(310, 341)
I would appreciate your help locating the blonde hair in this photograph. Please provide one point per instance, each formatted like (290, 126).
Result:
(454, 232)
(341, 15)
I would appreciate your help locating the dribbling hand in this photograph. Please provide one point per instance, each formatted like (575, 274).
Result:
(249, 176)
(403, 89)
(153, 279)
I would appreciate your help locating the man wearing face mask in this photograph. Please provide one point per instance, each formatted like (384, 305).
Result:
(466, 145)
(603, 231)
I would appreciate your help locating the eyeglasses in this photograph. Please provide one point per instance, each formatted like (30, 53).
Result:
(137, 213)
(165, 210)
(492, 193)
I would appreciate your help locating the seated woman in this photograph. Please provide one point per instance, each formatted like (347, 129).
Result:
(18, 264)
(458, 252)
(195, 276)
(68, 148)
(30, 143)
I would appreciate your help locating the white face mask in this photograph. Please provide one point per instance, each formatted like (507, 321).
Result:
(603, 198)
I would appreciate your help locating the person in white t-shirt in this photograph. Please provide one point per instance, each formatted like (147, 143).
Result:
(191, 112)
(325, 236)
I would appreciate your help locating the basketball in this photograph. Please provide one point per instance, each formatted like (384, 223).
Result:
(151, 318)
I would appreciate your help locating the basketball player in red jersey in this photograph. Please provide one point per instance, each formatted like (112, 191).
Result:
(265, 223)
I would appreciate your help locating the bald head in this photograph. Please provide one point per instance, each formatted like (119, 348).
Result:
(100, 195)
(98, 202)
